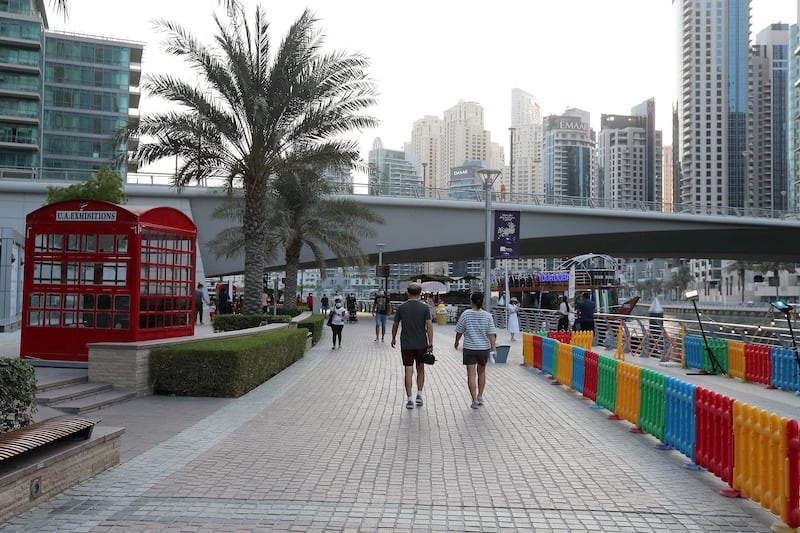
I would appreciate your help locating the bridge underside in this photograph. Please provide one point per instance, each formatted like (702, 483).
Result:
(440, 230)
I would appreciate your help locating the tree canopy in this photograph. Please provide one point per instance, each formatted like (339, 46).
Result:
(105, 185)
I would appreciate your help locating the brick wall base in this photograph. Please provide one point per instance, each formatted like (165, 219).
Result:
(38, 475)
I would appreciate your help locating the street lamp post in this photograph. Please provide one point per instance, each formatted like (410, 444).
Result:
(379, 246)
(488, 176)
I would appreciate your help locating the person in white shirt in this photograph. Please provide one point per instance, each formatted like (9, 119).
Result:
(563, 315)
(513, 317)
(477, 328)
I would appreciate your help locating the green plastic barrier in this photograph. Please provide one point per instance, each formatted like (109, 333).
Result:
(652, 408)
(607, 382)
(719, 348)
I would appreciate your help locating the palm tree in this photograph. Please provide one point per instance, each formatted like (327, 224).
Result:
(681, 279)
(741, 268)
(302, 213)
(256, 112)
(62, 5)
(775, 268)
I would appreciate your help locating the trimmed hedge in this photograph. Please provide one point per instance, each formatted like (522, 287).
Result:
(17, 394)
(315, 324)
(224, 367)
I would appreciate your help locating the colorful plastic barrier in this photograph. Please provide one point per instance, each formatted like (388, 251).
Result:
(785, 370)
(693, 354)
(578, 367)
(590, 376)
(760, 466)
(563, 370)
(679, 420)
(714, 446)
(607, 382)
(537, 351)
(653, 405)
(583, 339)
(527, 349)
(736, 361)
(560, 336)
(719, 348)
(548, 355)
(629, 392)
(790, 514)
(758, 364)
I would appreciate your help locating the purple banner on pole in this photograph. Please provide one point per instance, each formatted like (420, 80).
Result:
(506, 235)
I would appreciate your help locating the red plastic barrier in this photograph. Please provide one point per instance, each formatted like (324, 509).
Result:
(590, 376)
(537, 352)
(757, 363)
(791, 514)
(714, 442)
(560, 336)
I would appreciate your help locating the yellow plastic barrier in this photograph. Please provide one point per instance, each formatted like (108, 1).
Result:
(736, 359)
(564, 368)
(761, 465)
(629, 392)
(582, 339)
(620, 353)
(527, 349)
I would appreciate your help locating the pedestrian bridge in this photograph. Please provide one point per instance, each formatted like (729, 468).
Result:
(435, 225)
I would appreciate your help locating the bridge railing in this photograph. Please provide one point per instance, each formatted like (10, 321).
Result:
(469, 194)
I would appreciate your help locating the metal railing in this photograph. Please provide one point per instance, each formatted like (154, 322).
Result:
(475, 194)
(647, 336)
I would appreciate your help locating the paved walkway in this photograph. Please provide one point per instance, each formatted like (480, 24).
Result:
(327, 445)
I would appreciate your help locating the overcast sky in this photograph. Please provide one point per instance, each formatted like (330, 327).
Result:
(602, 56)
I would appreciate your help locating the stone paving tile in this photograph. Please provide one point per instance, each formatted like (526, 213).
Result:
(328, 445)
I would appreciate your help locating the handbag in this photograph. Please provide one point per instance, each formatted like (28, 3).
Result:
(428, 358)
(330, 319)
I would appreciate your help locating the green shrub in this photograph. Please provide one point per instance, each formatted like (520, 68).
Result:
(233, 322)
(224, 367)
(315, 324)
(17, 394)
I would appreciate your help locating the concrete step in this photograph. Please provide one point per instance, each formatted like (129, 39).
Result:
(54, 378)
(96, 401)
(54, 396)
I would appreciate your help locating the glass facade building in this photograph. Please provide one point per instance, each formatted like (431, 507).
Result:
(63, 97)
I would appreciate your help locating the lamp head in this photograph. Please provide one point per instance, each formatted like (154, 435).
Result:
(488, 175)
(692, 295)
(782, 306)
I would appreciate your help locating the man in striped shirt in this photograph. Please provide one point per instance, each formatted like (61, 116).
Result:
(477, 328)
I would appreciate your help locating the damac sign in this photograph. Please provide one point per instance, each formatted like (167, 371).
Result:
(571, 125)
(86, 216)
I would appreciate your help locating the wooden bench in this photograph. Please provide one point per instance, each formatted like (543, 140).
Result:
(56, 429)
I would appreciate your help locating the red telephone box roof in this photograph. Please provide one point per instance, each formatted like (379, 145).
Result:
(79, 211)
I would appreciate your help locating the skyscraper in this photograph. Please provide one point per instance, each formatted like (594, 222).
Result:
(392, 171)
(629, 156)
(569, 154)
(526, 144)
(712, 101)
(773, 99)
(63, 97)
(426, 144)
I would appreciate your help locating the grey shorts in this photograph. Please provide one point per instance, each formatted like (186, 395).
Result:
(479, 357)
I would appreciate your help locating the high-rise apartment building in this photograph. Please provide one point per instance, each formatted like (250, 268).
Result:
(465, 139)
(427, 143)
(629, 156)
(773, 100)
(391, 172)
(667, 178)
(63, 97)
(712, 101)
(525, 167)
(569, 154)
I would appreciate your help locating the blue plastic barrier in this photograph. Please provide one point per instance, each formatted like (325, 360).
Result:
(549, 346)
(679, 430)
(693, 352)
(578, 367)
(785, 372)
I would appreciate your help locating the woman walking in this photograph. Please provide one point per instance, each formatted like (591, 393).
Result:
(477, 328)
(336, 322)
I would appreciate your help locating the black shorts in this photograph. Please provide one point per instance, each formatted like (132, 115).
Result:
(411, 357)
(479, 357)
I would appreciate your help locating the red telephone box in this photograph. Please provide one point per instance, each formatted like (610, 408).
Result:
(96, 272)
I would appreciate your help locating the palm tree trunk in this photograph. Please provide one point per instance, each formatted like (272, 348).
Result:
(292, 262)
(255, 239)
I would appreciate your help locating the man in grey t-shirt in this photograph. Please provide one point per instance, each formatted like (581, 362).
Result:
(416, 338)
